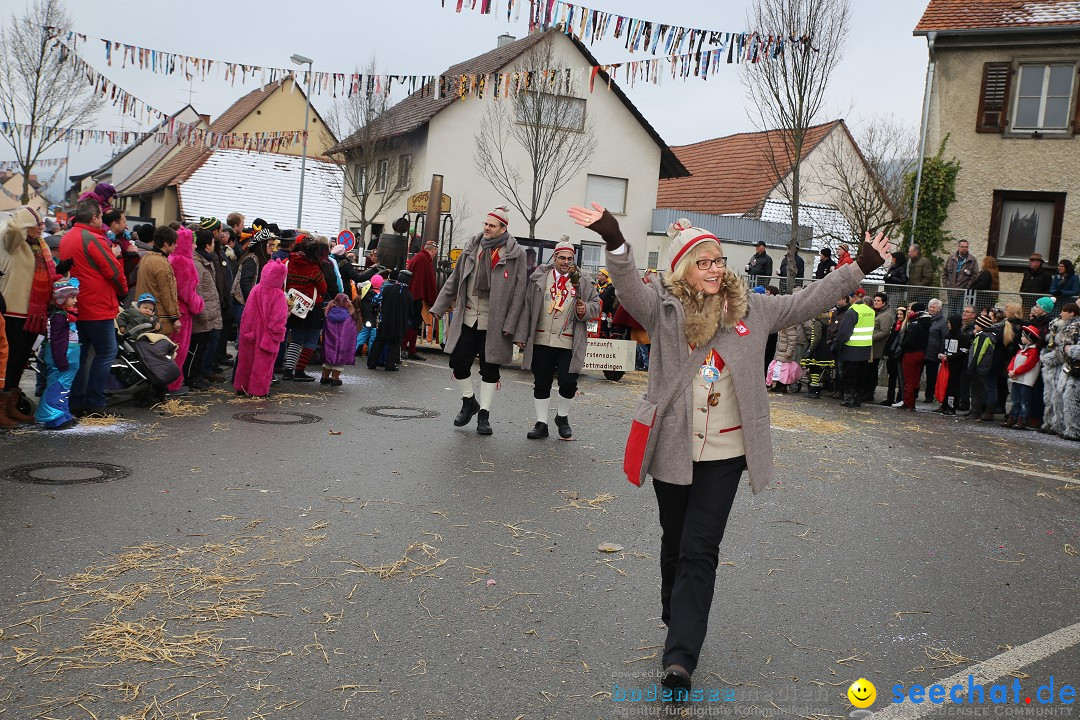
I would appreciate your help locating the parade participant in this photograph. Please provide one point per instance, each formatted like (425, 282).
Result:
(305, 276)
(156, 279)
(62, 357)
(339, 340)
(708, 339)
(27, 274)
(101, 285)
(248, 268)
(350, 276)
(488, 290)
(424, 290)
(365, 308)
(261, 332)
(182, 260)
(395, 309)
(553, 333)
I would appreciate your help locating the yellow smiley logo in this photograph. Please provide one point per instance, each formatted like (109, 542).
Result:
(862, 693)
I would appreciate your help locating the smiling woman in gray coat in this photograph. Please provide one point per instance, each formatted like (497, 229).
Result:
(708, 342)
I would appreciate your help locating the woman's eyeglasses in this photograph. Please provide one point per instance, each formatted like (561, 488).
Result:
(720, 262)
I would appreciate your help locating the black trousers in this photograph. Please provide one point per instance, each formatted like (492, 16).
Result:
(20, 348)
(392, 345)
(932, 366)
(892, 366)
(870, 378)
(193, 364)
(852, 377)
(693, 518)
(546, 362)
(470, 344)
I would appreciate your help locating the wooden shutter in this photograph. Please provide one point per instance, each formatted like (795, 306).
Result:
(994, 97)
(1076, 101)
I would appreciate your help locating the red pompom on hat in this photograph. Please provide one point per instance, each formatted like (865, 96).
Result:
(684, 238)
(501, 214)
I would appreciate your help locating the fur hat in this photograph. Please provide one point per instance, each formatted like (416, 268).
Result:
(984, 322)
(1046, 304)
(684, 238)
(63, 289)
(501, 214)
(564, 244)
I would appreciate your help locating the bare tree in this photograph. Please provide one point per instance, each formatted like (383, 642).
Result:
(38, 87)
(786, 93)
(868, 178)
(530, 146)
(376, 167)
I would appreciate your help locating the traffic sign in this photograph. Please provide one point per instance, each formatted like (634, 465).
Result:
(346, 238)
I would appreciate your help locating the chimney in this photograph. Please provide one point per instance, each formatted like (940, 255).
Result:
(505, 39)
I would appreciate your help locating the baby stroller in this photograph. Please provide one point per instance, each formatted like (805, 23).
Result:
(145, 364)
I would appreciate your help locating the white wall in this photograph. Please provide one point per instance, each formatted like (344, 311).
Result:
(623, 149)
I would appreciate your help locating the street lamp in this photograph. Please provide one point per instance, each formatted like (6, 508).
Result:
(301, 60)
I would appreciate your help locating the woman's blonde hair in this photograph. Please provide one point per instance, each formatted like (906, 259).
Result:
(990, 264)
(687, 261)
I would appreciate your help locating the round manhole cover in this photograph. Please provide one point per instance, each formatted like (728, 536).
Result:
(396, 412)
(65, 473)
(271, 417)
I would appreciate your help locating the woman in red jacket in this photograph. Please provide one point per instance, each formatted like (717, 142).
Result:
(305, 276)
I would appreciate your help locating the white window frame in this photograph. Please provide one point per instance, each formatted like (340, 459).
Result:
(1040, 127)
(626, 192)
(383, 171)
(526, 113)
(597, 250)
(404, 178)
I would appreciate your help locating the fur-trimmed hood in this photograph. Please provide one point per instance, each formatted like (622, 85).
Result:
(705, 314)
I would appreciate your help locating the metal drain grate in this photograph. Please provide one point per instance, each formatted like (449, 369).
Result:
(272, 417)
(65, 473)
(396, 412)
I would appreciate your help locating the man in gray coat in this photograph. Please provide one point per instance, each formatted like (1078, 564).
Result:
(487, 289)
(939, 328)
(961, 268)
(883, 325)
(920, 269)
(553, 331)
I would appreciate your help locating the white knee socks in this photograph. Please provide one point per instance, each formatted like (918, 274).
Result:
(542, 407)
(466, 387)
(563, 406)
(487, 394)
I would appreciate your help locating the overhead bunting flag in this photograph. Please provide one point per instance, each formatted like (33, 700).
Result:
(44, 162)
(176, 133)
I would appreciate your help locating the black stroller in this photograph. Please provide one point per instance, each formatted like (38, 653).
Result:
(143, 367)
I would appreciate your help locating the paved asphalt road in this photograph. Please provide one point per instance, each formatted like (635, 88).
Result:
(370, 567)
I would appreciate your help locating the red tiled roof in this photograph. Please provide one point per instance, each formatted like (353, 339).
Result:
(418, 109)
(180, 166)
(945, 15)
(731, 175)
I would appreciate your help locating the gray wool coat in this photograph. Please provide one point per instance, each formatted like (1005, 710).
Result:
(508, 280)
(536, 303)
(210, 317)
(663, 317)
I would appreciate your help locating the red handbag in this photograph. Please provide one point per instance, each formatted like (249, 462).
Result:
(642, 440)
(941, 388)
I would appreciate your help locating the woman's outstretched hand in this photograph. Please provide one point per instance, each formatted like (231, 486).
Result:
(873, 253)
(584, 216)
(600, 222)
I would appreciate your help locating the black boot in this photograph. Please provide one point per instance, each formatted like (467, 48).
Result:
(539, 432)
(469, 407)
(483, 427)
(849, 400)
(563, 424)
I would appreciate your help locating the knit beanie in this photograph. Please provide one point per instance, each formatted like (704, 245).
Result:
(1046, 303)
(564, 244)
(377, 282)
(209, 223)
(984, 321)
(63, 289)
(500, 214)
(684, 238)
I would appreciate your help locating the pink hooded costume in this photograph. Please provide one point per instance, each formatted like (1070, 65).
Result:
(262, 330)
(187, 296)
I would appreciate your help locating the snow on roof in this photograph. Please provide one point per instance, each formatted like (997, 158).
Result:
(265, 185)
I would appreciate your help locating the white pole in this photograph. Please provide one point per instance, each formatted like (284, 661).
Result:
(303, 157)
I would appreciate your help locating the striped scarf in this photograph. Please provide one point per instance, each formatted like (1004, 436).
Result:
(37, 310)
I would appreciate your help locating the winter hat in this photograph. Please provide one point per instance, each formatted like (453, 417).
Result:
(984, 321)
(760, 290)
(501, 214)
(844, 247)
(602, 272)
(564, 244)
(262, 235)
(146, 298)
(1032, 332)
(684, 238)
(23, 219)
(918, 307)
(377, 282)
(63, 289)
(337, 250)
(405, 277)
(209, 223)
(1046, 304)
(826, 252)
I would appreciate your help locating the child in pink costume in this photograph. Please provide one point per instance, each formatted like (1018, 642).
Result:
(262, 330)
(187, 296)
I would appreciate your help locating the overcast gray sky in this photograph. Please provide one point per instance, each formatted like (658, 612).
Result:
(882, 71)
